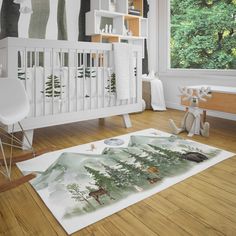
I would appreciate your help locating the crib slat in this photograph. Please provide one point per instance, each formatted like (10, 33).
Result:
(60, 77)
(80, 65)
(52, 64)
(76, 79)
(112, 99)
(44, 82)
(137, 73)
(68, 80)
(90, 66)
(97, 82)
(63, 65)
(109, 79)
(26, 63)
(32, 79)
(103, 61)
(84, 62)
(34, 83)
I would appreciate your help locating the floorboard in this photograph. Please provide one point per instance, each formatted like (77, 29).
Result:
(204, 204)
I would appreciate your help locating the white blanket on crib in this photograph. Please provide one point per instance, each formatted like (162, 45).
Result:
(123, 69)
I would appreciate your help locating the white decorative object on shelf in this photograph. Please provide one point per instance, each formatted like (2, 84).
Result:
(125, 30)
(112, 5)
(129, 33)
(129, 28)
(110, 29)
(106, 28)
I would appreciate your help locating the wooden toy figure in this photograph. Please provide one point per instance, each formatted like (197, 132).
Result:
(192, 122)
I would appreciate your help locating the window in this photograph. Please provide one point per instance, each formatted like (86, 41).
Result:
(202, 34)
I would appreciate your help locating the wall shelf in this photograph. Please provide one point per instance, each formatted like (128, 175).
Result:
(125, 27)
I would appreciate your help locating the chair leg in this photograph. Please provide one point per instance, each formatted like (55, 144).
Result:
(27, 139)
(15, 183)
(11, 153)
(4, 167)
(6, 163)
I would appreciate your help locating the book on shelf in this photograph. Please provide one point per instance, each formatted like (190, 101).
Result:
(134, 12)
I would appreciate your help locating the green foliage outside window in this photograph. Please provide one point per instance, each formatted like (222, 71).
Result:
(203, 34)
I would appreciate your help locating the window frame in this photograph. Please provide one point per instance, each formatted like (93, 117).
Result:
(163, 50)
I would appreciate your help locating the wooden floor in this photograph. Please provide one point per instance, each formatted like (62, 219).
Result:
(204, 204)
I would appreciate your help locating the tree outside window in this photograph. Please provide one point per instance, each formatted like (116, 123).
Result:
(203, 34)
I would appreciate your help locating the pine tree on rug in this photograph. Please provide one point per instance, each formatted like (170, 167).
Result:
(119, 176)
(101, 180)
(77, 194)
(144, 161)
(136, 175)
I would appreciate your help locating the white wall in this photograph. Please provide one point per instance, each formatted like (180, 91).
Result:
(152, 35)
(72, 19)
(173, 79)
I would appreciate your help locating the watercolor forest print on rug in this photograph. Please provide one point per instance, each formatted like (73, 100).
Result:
(82, 185)
(86, 182)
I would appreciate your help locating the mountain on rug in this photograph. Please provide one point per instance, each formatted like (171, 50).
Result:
(86, 183)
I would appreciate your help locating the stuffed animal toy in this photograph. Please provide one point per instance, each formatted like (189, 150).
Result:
(192, 119)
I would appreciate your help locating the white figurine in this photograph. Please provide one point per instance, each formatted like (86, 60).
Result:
(106, 28)
(110, 29)
(192, 119)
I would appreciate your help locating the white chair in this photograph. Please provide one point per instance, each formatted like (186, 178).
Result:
(14, 107)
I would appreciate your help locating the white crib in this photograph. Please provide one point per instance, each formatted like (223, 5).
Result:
(68, 81)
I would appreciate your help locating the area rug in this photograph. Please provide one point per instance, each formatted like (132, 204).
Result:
(84, 184)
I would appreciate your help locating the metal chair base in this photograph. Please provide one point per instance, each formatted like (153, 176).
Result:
(6, 166)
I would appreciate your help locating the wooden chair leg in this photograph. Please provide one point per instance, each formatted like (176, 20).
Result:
(10, 184)
(15, 183)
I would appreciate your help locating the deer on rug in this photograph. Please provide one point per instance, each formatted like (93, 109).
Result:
(98, 193)
(192, 122)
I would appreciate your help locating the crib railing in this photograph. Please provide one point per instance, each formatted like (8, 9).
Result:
(68, 81)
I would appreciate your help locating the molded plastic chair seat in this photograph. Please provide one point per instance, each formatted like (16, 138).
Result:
(14, 107)
(14, 104)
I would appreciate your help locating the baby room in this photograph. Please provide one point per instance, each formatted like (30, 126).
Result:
(117, 117)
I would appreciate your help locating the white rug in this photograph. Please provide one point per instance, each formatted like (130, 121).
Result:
(84, 184)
